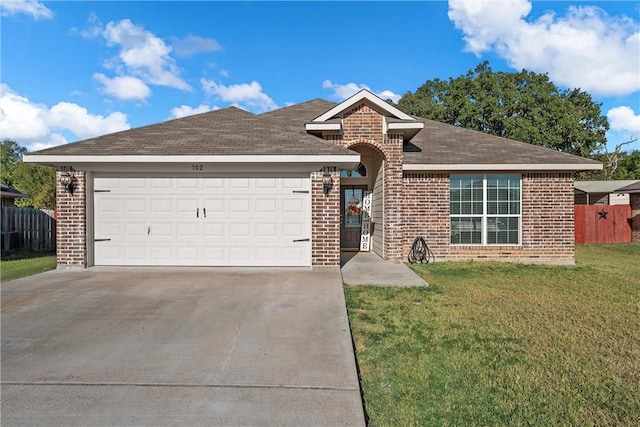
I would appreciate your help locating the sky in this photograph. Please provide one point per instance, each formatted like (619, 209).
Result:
(71, 70)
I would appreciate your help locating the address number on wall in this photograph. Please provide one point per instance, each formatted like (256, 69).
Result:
(197, 167)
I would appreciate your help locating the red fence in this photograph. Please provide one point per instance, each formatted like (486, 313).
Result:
(602, 223)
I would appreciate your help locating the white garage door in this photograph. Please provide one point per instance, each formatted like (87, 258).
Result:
(202, 221)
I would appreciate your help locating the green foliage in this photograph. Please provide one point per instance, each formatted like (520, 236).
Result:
(10, 155)
(36, 181)
(628, 167)
(523, 106)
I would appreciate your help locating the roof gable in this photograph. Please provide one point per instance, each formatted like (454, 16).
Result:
(394, 119)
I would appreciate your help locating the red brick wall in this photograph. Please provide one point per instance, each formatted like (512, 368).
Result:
(325, 221)
(547, 219)
(362, 125)
(71, 219)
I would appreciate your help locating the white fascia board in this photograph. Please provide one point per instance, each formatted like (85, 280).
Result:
(62, 160)
(504, 167)
(322, 126)
(197, 164)
(354, 99)
(404, 126)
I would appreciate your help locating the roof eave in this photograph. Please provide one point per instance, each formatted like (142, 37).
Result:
(569, 167)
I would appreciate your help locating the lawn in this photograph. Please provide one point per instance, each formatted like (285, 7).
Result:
(504, 344)
(25, 264)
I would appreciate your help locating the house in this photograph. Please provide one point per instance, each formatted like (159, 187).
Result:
(633, 191)
(8, 195)
(287, 187)
(602, 192)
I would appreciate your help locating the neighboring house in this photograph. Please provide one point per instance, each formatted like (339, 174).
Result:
(8, 195)
(633, 190)
(286, 188)
(602, 192)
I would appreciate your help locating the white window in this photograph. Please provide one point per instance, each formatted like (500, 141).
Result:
(485, 209)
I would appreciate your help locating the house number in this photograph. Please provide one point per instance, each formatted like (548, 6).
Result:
(197, 167)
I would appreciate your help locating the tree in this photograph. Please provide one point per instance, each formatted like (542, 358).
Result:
(523, 106)
(36, 181)
(10, 155)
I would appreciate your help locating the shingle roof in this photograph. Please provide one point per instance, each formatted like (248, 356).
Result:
(297, 115)
(229, 131)
(631, 188)
(232, 131)
(440, 143)
(10, 192)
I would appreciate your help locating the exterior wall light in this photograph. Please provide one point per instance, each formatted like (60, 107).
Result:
(68, 181)
(327, 183)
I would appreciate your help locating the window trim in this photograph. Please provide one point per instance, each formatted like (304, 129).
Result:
(485, 215)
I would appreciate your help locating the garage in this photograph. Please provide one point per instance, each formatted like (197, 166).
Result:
(201, 221)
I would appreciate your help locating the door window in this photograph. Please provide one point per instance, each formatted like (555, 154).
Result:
(353, 207)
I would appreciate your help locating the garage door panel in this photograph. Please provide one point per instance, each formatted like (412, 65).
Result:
(162, 221)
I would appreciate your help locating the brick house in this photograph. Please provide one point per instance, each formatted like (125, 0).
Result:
(287, 187)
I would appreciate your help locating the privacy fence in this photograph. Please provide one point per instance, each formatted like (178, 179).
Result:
(603, 223)
(28, 230)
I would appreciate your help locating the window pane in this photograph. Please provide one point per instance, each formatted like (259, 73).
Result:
(502, 230)
(466, 231)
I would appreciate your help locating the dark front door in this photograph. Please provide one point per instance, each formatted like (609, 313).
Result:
(351, 215)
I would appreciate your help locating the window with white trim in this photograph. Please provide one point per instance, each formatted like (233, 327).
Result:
(485, 209)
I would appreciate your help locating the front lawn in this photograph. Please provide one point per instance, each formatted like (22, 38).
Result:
(25, 264)
(504, 344)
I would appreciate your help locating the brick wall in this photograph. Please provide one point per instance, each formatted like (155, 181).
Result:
(547, 219)
(71, 223)
(362, 125)
(634, 201)
(325, 221)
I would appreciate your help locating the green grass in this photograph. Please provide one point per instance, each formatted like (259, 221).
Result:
(504, 344)
(25, 264)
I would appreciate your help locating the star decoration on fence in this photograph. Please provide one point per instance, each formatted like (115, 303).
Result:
(603, 214)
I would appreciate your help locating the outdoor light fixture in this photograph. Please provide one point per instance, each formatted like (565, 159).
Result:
(68, 181)
(327, 183)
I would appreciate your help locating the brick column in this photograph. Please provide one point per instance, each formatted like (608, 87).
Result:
(634, 201)
(394, 198)
(71, 223)
(325, 221)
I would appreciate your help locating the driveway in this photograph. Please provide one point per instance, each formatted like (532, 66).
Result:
(171, 346)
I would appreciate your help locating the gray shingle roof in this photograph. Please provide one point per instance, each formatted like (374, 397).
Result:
(631, 188)
(440, 143)
(299, 114)
(229, 131)
(232, 131)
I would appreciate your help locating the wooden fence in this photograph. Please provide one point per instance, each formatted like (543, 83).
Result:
(26, 229)
(602, 223)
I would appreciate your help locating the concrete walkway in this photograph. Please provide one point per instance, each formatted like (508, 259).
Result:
(367, 268)
(173, 347)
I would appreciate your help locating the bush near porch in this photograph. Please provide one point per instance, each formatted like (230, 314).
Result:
(504, 344)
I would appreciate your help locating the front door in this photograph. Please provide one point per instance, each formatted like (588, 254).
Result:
(351, 216)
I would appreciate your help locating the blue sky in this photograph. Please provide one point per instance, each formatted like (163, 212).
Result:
(73, 70)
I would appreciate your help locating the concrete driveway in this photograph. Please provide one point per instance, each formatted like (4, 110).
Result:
(178, 347)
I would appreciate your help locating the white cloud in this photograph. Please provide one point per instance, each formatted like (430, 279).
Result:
(126, 88)
(624, 119)
(186, 110)
(36, 126)
(349, 89)
(143, 55)
(587, 48)
(246, 95)
(193, 45)
(29, 7)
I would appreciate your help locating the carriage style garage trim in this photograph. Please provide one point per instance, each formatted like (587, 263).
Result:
(230, 188)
